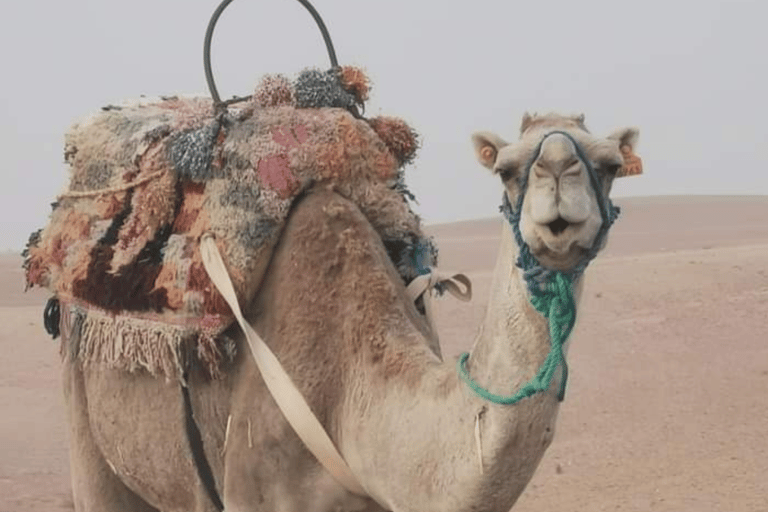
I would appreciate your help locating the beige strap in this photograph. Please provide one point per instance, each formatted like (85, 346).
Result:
(425, 284)
(111, 190)
(285, 393)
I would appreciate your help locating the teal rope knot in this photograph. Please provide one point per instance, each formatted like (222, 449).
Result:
(551, 291)
(556, 303)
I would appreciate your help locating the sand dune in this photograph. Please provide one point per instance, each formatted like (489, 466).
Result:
(667, 402)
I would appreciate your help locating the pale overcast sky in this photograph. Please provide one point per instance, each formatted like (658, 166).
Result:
(691, 74)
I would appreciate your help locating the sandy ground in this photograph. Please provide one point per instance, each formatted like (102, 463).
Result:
(667, 406)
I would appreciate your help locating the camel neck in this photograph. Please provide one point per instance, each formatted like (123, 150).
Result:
(514, 340)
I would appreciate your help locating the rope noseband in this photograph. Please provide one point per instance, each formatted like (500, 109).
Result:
(551, 290)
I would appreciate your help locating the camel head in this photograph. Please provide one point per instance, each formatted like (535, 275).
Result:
(560, 215)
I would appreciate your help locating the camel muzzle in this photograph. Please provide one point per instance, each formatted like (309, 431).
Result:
(536, 275)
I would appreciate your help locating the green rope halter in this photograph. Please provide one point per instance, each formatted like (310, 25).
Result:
(551, 291)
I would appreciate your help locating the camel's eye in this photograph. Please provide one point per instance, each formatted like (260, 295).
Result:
(611, 168)
(506, 174)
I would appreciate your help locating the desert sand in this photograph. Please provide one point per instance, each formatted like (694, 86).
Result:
(667, 404)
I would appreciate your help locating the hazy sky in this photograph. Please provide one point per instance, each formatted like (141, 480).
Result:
(691, 74)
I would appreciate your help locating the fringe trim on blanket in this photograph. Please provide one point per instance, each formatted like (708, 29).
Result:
(91, 336)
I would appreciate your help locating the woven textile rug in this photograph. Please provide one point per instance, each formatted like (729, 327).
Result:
(148, 179)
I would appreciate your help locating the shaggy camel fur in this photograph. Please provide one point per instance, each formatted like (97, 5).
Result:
(336, 313)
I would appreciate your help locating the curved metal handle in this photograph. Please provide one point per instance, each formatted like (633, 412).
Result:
(209, 36)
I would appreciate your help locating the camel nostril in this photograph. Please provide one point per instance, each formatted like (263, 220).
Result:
(558, 225)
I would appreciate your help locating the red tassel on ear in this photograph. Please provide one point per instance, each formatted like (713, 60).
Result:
(400, 138)
(633, 165)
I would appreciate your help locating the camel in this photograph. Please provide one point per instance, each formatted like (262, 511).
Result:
(336, 313)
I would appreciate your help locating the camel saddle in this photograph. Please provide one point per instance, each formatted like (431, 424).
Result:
(149, 178)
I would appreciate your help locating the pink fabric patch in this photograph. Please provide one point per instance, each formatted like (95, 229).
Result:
(274, 170)
(275, 173)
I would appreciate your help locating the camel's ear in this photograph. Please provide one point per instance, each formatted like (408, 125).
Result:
(487, 147)
(626, 137)
(526, 122)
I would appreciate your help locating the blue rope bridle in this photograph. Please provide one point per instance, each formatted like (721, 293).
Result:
(551, 290)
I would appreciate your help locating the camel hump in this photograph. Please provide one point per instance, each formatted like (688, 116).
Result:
(324, 223)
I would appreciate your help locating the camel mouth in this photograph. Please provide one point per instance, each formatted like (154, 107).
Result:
(558, 225)
(557, 260)
(557, 244)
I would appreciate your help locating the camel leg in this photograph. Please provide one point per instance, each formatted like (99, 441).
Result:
(95, 487)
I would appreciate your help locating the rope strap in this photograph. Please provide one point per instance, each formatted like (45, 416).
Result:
(426, 283)
(288, 398)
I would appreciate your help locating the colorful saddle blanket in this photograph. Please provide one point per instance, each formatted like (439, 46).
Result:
(148, 179)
